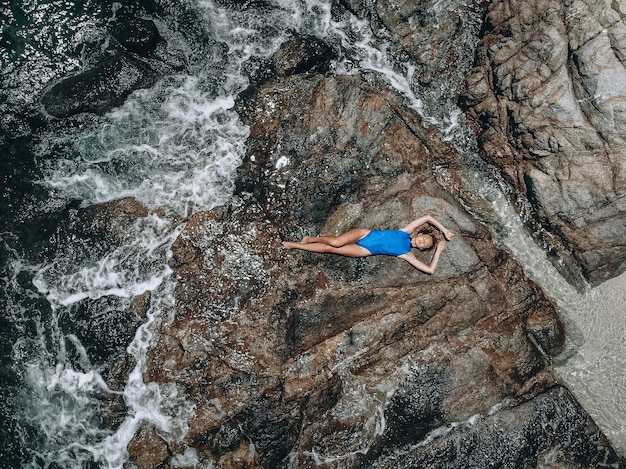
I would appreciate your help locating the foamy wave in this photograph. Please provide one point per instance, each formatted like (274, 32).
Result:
(163, 406)
(65, 406)
(173, 146)
(124, 271)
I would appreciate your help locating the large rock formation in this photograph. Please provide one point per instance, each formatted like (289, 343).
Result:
(130, 55)
(291, 359)
(547, 98)
(294, 359)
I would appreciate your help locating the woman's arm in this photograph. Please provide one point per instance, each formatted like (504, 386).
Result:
(428, 219)
(419, 265)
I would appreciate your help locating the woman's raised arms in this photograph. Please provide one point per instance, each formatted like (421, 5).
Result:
(430, 220)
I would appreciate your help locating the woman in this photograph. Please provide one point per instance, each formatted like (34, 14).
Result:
(363, 242)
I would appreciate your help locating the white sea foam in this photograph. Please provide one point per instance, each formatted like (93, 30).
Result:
(125, 271)
(189, 458)
(65, 406)
(173, 146)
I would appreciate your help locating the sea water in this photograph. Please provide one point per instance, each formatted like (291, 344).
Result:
(176, 147)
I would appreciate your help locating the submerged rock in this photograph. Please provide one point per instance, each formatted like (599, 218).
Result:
(99, 89)
(302, 54)
(294, 359)
(547, 100)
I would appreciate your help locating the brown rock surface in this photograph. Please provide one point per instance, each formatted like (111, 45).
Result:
(547, 98)
(293, 358)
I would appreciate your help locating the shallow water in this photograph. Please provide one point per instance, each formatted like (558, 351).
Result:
(596, 373)
(593, 365)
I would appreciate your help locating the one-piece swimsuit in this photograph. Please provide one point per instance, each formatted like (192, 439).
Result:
(387, 242)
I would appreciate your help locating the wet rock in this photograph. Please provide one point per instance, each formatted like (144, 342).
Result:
(100, 89)
(294, 359)
(549, 431)
(150, 449)
(96, 330)
(547, 100)
(437, 40)
(302, 54)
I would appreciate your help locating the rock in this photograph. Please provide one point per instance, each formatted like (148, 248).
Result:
(292, 359)
(549, 431)
(83, 236)
(150, 449)
(435, 41)
(302, 54)
(581, 198)
(99, 89)
(547, 100)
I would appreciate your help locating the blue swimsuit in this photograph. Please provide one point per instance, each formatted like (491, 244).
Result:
(388, 242)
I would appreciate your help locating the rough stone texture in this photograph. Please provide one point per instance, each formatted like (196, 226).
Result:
(547, 98)
(434, 38)
(293, 359)
(549, 431)
(302, 53)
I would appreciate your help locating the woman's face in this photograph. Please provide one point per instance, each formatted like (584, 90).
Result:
(422, 241)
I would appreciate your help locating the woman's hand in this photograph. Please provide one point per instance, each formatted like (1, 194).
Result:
(441, 245)
(448, 234)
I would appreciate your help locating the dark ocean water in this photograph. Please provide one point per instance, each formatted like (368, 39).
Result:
(68, 282)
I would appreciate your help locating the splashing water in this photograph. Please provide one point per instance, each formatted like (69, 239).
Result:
(176, 148)
(177, 153)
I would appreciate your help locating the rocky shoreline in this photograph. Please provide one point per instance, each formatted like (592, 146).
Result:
(548, 113)
(293, 359)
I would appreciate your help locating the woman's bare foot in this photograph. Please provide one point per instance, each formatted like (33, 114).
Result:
(307, 240)
(289, 245)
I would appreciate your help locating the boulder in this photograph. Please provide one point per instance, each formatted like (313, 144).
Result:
(432, 41)
(549, 431)
(302, 54)
(295, 359)
(99, 89)
(547, 101)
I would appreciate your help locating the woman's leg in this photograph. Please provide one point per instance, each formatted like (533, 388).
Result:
(350, 250)
(349, 237)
